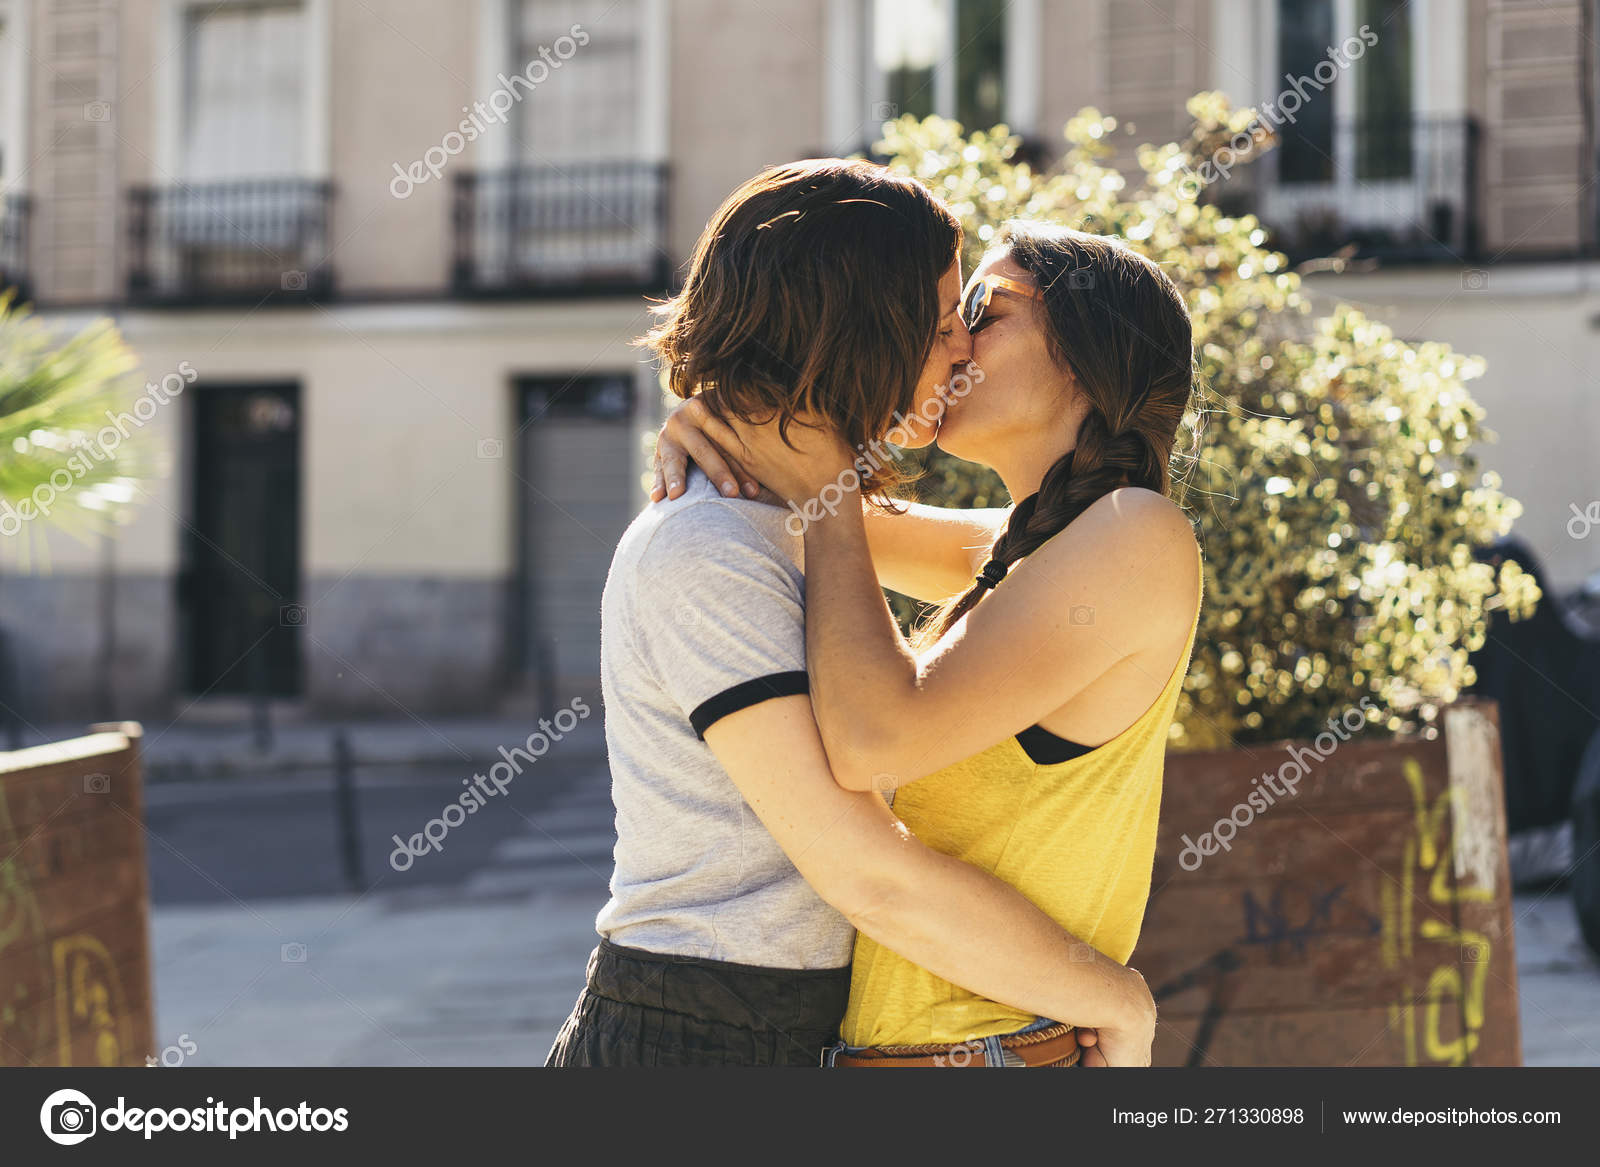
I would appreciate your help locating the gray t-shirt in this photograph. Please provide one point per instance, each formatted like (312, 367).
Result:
(703, 615)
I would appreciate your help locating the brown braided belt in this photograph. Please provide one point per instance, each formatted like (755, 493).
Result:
(1055, 1046)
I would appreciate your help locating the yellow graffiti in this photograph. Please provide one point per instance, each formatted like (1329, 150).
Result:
(1445, 985)
(1423, 853)
(22, 1025)
(1429, 823)
(87, 989)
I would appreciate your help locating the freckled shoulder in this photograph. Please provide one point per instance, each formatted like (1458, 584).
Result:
(1133, 530)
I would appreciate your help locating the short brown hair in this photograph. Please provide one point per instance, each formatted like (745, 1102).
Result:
(814, 287)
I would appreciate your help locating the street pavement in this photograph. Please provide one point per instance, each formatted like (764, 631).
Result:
(472, 957)
(474, 954)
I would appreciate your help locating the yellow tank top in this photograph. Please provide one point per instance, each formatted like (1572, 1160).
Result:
(1078, 838)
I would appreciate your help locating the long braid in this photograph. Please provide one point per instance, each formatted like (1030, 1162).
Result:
(1119, 326)
(1081, 477)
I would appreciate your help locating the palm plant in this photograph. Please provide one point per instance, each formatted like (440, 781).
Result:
(63, 461)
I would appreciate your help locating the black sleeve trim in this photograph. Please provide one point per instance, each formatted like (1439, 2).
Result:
(743, 695)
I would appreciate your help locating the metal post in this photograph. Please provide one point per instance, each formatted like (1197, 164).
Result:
(344, 787)
(10, 698)
(107, 695)
(260, 703)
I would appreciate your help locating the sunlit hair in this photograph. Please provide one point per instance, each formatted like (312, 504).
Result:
(1119, 324)
(814, 288)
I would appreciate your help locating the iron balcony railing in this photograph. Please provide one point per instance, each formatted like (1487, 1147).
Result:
(584, 226)
(14, 209)
(229, 241)
(1397, 188)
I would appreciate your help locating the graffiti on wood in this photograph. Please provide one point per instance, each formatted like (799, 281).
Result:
(1366, 922)
(74, 955)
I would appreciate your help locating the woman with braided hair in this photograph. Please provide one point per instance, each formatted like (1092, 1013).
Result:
(1023, 729)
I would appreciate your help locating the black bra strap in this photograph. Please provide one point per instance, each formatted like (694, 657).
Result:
(1046, 749)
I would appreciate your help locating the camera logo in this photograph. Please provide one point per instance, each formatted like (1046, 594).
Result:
(1584, 521)
(67, 1117)
(959, 1055)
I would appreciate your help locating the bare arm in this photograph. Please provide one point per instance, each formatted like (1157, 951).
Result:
(928, 552)
(925, 552)
(888, 717)
(956, 921)
(738, 617)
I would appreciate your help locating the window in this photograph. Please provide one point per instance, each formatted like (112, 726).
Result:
(1383, 91)
(1305, 30)
(1359, 124)
(577, 398)
(980, 62)
(945, 57)
(589, 107)
(13, 72)
(5, 101)
(13, 208)
(581, 200)
(1377, 147)
(245, 92)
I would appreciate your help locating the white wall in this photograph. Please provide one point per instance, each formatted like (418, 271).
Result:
(395, 401)
(1538, 327)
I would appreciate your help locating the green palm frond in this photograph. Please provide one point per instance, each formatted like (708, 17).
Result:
(63, 463)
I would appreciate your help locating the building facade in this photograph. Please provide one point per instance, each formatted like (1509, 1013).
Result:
(405, 247)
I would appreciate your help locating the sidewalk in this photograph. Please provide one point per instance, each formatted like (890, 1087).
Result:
(185, 752)
(480, 971)
(1558, 983)
(382, 980)
(474, 979)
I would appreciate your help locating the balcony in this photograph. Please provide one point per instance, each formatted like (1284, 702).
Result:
(588, 227)
(229, 242)
(1400, 190)
(14, 243)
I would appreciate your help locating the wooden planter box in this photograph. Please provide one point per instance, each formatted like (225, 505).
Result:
(1364, 919)
(74, 906)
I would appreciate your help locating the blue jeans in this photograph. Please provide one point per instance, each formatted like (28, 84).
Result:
(991, 1045)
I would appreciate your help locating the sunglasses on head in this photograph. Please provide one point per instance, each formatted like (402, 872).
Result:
(975, 303)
